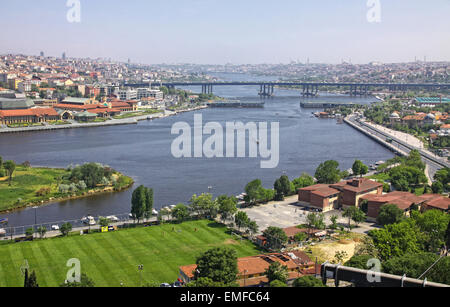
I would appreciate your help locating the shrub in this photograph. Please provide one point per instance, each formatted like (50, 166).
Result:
(43, 191)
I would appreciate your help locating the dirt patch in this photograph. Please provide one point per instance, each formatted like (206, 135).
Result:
(327, 251)
(231, 242)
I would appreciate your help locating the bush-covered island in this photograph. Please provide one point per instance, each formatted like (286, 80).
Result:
(23, 185)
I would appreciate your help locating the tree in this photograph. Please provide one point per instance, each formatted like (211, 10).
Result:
(389, 214)
(359, 168)
(305, 180)
(42, 231)
(414, 160)
(447, 235)
(437, 187)
(359, 261)
(218, 264)
(300, 237)
(227, 207)
(404, 177)
(397, 239)
(315, 220)
(333, 220)
(415, 264)
(433, 225)
(30, 281)
(9, 167)
(138, 201)
(443, 176)
(92, 174)
(65, 229)
(85, 282)
(104, 222)
(241, 219)
(328, 172)
(308, 281)
(149, 203)
(354, 214)
(205, 282)
(142, 203)
(277, 284)
(276, 237)
(282, 187)
(180, 213)
(204, 205)
(252, 227)
(277, 271)
(254, 191)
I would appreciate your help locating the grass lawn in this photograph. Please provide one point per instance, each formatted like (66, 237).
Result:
(137, 113)
(25, 183)
(112, 258)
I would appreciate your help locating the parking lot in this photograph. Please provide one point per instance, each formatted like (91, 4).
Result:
(291, 212)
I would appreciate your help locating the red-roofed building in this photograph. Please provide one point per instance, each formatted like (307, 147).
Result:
(252, 269)
(405, 201)
(36, 115)
(327, 197)
(435, 201)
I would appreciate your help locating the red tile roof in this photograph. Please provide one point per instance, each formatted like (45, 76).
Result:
(29, 112)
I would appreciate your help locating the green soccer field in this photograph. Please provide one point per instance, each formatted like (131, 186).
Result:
(113, 258)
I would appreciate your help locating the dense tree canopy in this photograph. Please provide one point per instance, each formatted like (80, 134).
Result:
(308, 282)
(389, 214)
(397, 239)
(415, 264)
(219, 265)
(359, 168)
(305, 180)
(277, 271)
(328, 172)
(276, 237)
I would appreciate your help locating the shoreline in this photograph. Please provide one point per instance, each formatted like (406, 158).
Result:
(112, 122)
(84, 194)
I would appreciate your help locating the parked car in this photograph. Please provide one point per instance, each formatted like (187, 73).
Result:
(165, 285)
(55, 227)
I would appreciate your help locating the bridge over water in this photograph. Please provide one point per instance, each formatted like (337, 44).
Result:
(308, 88)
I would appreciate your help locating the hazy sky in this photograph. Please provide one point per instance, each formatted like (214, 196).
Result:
(229, 31)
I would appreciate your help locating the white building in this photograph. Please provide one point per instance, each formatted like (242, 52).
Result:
(127, 94)
(149, 93)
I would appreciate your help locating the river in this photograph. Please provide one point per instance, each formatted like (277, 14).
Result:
(143, 152)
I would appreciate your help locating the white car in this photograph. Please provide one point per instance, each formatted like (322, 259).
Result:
(55, 227)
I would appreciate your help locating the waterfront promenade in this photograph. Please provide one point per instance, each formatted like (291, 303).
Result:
(110, 122)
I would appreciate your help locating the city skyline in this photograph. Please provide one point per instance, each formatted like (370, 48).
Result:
(214, 32)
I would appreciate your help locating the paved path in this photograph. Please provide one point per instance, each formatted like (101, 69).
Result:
(433, 162)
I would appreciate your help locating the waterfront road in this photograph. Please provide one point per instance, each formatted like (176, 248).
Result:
(433, 163)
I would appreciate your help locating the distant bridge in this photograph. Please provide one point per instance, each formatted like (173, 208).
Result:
(308, 88)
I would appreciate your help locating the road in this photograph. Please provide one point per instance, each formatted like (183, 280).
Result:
(434, 163)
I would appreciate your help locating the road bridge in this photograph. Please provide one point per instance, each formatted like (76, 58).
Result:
(309, 89)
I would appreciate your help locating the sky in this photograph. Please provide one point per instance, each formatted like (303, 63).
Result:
(229, 31)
